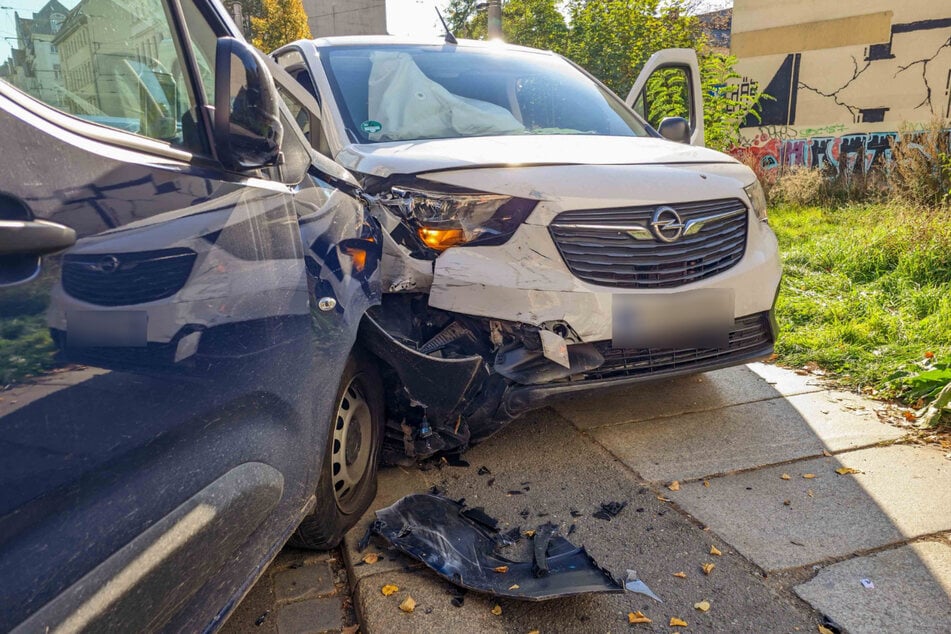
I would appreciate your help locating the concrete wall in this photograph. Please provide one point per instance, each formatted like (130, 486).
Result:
(346, 17)
(848, 73)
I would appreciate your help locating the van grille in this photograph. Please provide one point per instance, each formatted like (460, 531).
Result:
(597, 248)
(122, 279)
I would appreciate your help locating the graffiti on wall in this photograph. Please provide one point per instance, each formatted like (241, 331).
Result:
(850, 153)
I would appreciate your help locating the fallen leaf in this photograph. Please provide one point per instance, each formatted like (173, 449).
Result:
(371, 558)
(637, 617)
(708, 568)
(501, 569)
(824, 630)
(514, 586)
(534, 632)
(706, 483)
(662, 498)
(497, 610)
(810, 493)
(703, 606)
(389, 589)
(680, 575)
(909, 416)
(826, 454)
(674, 486)
(785, 476)
(715, 551)
(846, 470)
(408, 604)
(787, 502)
(929, 355)
(808, 476)
(529, 533)
(675, 622)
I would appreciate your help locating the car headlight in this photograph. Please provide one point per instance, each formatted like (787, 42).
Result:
(757, 198)
(445, 219)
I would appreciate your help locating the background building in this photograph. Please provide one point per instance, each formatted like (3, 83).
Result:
(845, 76)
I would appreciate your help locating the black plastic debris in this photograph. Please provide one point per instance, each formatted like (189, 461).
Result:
(261, 619)
(829, 624)
(514, 492)
(490, 482)
(439, 532)
(609, 510)
(575, 513)
(479, 516)
(483, 471)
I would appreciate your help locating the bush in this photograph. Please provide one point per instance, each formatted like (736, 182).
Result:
(800, 186)
(920, 171)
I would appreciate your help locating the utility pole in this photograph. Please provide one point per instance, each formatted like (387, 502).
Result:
(237, 9)
(494, 30)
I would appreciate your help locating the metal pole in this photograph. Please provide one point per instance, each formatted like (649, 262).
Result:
(495, 19)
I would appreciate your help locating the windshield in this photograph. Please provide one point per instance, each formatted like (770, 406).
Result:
(411, 93)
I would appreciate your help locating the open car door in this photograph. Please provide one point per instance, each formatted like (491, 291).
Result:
(669, 86)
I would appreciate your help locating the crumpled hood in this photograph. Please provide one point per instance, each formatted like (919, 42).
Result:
(412, 157)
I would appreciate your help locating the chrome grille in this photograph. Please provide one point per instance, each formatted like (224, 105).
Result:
(122, 279)
(750, 335)
(597, 247)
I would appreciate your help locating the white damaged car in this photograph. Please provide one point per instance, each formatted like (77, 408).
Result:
(541, 238)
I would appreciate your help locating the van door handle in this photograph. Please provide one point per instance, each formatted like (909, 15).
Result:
(34, 237)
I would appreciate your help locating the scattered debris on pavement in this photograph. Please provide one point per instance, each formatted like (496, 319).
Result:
(466, 547)
(609, 510)
(633, 584)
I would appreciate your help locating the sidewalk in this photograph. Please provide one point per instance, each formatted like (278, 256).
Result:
(754, 451)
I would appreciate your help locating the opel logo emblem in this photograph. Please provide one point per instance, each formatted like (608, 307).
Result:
(108, 264)
(666, 224)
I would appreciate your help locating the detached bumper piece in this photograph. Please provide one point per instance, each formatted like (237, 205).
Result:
(464, 545)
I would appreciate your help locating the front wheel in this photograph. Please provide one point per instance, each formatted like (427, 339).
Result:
(347, 482)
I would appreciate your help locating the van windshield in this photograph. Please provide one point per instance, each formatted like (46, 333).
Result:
(413, 92)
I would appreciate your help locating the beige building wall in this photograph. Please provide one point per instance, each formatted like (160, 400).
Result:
(842, 69)
(346, 17)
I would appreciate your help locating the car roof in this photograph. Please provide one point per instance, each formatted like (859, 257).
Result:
(396, 40)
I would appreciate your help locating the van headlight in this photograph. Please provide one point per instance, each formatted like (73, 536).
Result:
(443, 219)
(757, 199)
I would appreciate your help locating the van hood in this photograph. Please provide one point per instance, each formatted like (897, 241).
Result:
(413, 157)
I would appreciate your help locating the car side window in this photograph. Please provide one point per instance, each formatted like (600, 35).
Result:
(114, 64)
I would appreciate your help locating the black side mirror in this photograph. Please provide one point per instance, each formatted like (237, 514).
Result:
(248, 130)
(675, 129)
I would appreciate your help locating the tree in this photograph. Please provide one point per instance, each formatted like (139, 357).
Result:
(280, 22)
(535, 23)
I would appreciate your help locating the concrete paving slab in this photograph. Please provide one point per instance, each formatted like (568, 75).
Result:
(313, 616)
(703, 444)
(680, 395)
(303, 582)
(557, 469)
(788, 382)
(257, 611)
(912, 591)
(392, 484)
(903, 492)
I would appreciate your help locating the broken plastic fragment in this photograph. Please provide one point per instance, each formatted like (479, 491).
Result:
(708, 568)
(437, 531)
(846, 470)
(868, 583)
(609, 510)
(389, 589)
(715, 551)
(633, 584)
(408, 604)
(637, 617)
(703, 606)
(675, 622)
(497, 610)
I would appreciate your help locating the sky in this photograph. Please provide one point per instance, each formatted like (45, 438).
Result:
(25, 8)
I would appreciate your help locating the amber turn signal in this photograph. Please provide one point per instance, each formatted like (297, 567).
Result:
(440, 239)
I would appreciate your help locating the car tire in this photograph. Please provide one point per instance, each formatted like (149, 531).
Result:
(347, 482)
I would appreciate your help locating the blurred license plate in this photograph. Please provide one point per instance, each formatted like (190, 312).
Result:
(692, 319)
(107, 328)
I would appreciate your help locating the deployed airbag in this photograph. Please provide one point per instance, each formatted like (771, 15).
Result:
(409, 105)
(463, 546)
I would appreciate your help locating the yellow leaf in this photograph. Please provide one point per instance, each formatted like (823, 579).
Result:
(785, 476)
(680, 575)
(497, 610)
(534, 632)
(708, 568)
(662, 498)
(824, 630)
(529, 533)
(674, 486)
(371, 558)
(826, 454)
(706, 483)
(675, 622)
(703, 606)
(846, 470)
(389, 589)
(501, 569)
(715, 551)
(514, 586)
(408, 604)
(808, 476)
(637, 617)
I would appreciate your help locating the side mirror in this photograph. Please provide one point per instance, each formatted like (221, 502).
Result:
(248, 130)
(675, 129)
